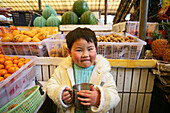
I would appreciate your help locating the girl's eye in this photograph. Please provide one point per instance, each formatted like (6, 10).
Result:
(78, 50)
(90, 49)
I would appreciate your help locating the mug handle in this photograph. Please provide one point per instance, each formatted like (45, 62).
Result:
(72, 96)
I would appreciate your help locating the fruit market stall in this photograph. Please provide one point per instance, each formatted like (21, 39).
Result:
(132, 75)
(45, 47)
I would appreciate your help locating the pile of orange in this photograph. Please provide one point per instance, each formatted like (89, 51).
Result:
(9, 65)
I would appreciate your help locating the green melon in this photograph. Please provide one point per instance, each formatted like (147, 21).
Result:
(88, 18)
(39, 21)
(79, 7)
(69, 18)
(48, 11)
(53, 21)
(54, 12)
(79, 21)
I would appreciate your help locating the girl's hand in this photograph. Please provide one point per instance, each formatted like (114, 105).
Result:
(66, 97)
(91, 97)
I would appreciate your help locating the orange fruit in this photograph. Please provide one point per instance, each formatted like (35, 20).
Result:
(1, 78)
(15, 57)
(8, 35)
(8, 66)
(12, 106)
(15, 65)
(15, 61)
(9, 58)
(1, 66)
(7, 75)
(21, 59)
(8, 62)
(3, 72)
(2, 60)
(12, 69)
(20, 64)
(2, 56)
(26, 61)
(6, 57)
(1, 34)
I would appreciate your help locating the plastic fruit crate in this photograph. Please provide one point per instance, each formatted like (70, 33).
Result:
(26, 102)
(132, 27)
(15, 84)
(24, 48)
(57, 36)
(121, 50)
(56, 47)
(110, 50)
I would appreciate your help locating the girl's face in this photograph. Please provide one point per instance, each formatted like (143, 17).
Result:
(83, 53)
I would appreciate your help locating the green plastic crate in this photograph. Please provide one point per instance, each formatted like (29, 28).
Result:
(26, 102)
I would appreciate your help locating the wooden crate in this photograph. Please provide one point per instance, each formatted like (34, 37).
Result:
(133, 79)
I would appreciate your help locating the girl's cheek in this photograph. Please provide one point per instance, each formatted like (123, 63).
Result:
(76, 57)
(93, 56)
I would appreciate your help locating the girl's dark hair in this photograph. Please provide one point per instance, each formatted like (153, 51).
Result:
(78, 33)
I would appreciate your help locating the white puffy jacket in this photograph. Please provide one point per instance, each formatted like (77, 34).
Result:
(101, 78)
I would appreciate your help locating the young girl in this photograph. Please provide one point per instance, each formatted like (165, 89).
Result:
(83, 65)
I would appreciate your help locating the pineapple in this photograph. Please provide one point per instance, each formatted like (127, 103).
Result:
(166, 55)
(158, 47)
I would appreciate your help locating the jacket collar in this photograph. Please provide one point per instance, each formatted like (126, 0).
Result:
(101, 63)
(101, 66)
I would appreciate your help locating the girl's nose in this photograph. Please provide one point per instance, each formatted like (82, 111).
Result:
(85, 54)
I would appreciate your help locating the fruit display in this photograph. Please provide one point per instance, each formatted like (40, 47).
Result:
(80, 14)
(49, 18)
(166, 55)
(34, 35)
(29, 41)
(59, 51)
(48, 11)
(39, 22)
(88, 18)
(57, 48)
(53, 21)
(114, 38)
(69, 18)
(10, 64)
(117, 46)
(4, 30)
(158, 48)
(79, 7)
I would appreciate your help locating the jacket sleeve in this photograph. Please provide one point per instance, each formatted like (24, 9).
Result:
(55, 89)
(110, 98)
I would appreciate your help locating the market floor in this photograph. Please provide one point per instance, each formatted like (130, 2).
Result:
(48, 106)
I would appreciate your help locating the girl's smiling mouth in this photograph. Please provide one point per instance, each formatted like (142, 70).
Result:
(84, 60)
